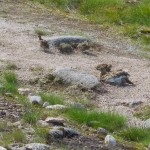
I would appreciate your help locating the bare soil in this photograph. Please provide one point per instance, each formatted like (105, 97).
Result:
(19, 44)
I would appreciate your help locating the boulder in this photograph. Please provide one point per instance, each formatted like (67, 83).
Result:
(75, 77)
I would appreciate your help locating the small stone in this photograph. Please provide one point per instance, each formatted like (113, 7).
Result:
(54, 120)
(45, 104)
(35, 99)
(102, 131)
(56, 107)
(24, 91)
(135, 103)
(110, 140)
(42, 123)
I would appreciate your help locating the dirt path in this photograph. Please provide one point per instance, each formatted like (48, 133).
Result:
(19, 44)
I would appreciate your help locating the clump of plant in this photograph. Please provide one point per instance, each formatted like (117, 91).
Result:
(52, 99)
(137, 135)
(40, 32)
(9, 83)
(11, 66)
(108, 120)
(31, 116)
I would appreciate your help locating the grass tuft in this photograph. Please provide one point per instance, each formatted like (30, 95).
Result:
(52, 99)
(40, 32)
(136, 135)
(107, 120)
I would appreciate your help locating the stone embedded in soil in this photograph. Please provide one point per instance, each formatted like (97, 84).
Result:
(42, 123)
(76, 77)
(110, 141)
(102, 131)
(57, 40)
(24, 91)
(35, 99)
(61, 132)
(35, 146)
(56, 107)
(135, 103)
(45, 104)
(54, 120)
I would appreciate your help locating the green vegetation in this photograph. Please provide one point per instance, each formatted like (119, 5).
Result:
(52, 99)
(41, 32)
(107, 120)
(15, 136)
(11, 66)
(136, 135)
(32, 115)
(9, 83)
(143, 113)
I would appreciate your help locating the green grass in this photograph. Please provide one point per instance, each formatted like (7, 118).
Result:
(136, 135)
(41, 32)
(11, 66)
(9, 82)
(52, 99)
(13, 137)
(31, 116)
(107, 120)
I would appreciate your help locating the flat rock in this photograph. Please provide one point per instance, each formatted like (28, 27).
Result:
(35, 146)
(56, 107)
(54, 120)
(57, 40)
(75, 77)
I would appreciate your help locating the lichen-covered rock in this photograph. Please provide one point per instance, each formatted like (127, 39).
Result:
(35, 146)
(75, 77)
(147, 123)
(57, 40)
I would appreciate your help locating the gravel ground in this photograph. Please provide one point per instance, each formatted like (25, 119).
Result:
(20, 45)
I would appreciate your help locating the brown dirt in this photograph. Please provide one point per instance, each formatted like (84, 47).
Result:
(19, 44)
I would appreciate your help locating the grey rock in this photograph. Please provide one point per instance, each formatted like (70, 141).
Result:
(147, 123)
(35, 146)
(24, 91)
(56, 107)
(135, 103)
(57, 40)
(102, 131)
(69, 132)
(2, 148)
(56, 133)
(42, 123)
(110, 141)
(75, 77)
(35, 99)
(78, 106)
(54, 120)
(45, 104)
